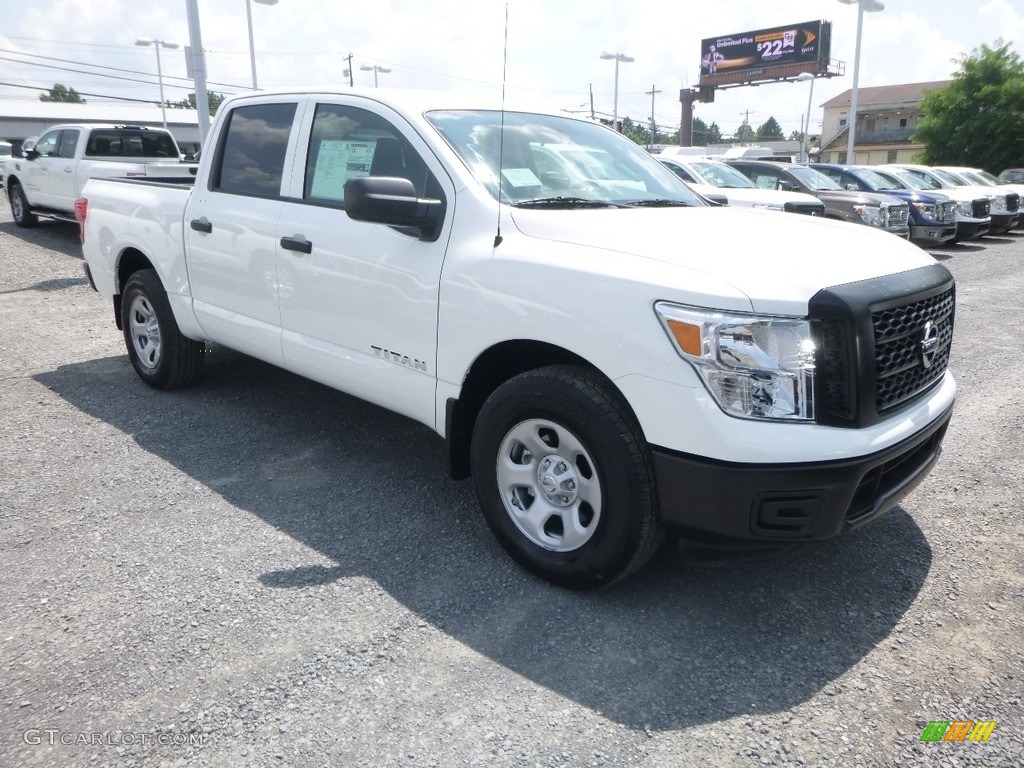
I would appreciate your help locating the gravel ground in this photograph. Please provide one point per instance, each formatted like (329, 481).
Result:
(259, 571)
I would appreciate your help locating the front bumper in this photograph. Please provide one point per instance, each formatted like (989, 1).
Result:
(1003, 222)
(969, 229)
(932, 233)
(723, 501)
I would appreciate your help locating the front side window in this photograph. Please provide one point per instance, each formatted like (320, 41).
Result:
(252, 150)
(531, 159)
(814, 179)
(722, 175)
(348, 142)
(47, 145)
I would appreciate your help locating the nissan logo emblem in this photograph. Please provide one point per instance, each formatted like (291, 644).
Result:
(929, 344)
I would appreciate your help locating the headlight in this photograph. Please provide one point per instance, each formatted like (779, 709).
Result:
(754, 367)
(871, 214)
(769, 206)
(965, 209)
(928, 210)
(998, 203)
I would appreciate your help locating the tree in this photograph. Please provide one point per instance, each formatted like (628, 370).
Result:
(61, 92)
(769, 129)
(704, 134)
(745, 132)
(796, 136)
(978, 119)
(189, 102)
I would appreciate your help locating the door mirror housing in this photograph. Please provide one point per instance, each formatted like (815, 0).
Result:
(393, 201)
(31, 154)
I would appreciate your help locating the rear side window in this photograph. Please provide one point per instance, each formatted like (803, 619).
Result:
(68, 143)
(252, 149)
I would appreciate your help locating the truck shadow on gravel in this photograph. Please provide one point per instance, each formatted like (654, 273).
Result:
(689, 640)
(58, 236)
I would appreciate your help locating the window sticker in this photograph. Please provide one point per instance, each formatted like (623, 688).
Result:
(520, 177)
(337, 162)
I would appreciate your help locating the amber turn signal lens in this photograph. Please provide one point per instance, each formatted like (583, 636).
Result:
(687, 336)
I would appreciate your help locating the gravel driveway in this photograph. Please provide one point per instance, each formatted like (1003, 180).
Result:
(259, 571)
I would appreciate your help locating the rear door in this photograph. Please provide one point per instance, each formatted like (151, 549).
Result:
(231, 228)
(359, 300)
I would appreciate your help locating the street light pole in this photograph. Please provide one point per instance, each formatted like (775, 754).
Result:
(862, 5)
(252, 48)
(159, 71)
(805, 149)
(625, 60)
(375, 69)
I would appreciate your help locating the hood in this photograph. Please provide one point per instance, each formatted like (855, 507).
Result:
(779, 261)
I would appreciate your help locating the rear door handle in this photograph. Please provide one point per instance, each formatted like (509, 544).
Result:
(297, 243)
(201, 225)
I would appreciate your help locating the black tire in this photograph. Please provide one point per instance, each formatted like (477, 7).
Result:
(20, 209)
(564, 477)
(162, 357)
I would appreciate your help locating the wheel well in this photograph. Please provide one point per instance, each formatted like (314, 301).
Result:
(130, 262)
(489, 371)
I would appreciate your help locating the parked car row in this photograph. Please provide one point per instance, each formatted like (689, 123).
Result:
(929, 206)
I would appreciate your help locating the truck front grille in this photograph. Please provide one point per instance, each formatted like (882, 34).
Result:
(808, 209)
(880, 343)
(897, 216)
(903, 367)
(947, 212)
(1012, 202)
(980, 208)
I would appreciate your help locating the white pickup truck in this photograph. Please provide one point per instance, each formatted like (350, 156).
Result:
(608, 358)
(46, 182)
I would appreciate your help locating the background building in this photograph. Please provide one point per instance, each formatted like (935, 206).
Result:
(887, 116)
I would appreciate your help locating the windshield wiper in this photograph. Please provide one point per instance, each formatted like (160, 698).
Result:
(659, 202)
(564, 202)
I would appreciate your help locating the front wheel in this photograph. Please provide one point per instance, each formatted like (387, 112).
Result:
(20, 209)
(162, 357)
(564, 477)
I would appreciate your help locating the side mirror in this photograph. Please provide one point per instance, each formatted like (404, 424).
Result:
(31, 154)
(853, 187)
(786, 186)
(716, 198)
(393, 201)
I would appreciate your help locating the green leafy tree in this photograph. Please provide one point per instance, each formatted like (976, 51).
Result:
(769, 129)
(61, 92)
(978, 119)
(189, 102)
(796, 136)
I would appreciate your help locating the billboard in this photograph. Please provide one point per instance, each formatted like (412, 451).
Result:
(754, 55)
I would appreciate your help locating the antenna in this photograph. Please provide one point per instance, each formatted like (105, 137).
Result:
(501, 131)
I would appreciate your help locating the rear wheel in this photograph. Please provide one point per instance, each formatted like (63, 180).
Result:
(564, 477)
(162, 357)
(20, 209)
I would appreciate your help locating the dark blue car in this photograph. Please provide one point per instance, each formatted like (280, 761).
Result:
(932, 214)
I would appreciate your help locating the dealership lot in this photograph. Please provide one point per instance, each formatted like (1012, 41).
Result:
(260, 571)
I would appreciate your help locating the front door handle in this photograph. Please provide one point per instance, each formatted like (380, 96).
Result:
(297, 243)
(201, 225)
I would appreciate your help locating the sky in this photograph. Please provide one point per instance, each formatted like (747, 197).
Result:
(552, 57)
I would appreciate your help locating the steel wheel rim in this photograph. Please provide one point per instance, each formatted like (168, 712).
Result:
(549, 485)
(16, 205)
(145, 332)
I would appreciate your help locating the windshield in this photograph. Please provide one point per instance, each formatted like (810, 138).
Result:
(722, 175)
(950, 178)
(814, 179)
(562, 160)
(912, 181)
(874, 181)
(981, 178)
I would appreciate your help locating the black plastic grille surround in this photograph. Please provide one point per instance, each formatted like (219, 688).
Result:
(880, 343)
(1012, 202)
(980, 208)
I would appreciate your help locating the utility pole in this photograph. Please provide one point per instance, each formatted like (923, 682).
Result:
(653, 126)
(746, 117)
(348, 71)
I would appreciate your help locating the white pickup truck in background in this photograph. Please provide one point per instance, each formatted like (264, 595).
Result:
(608, 357)
(50, 177)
